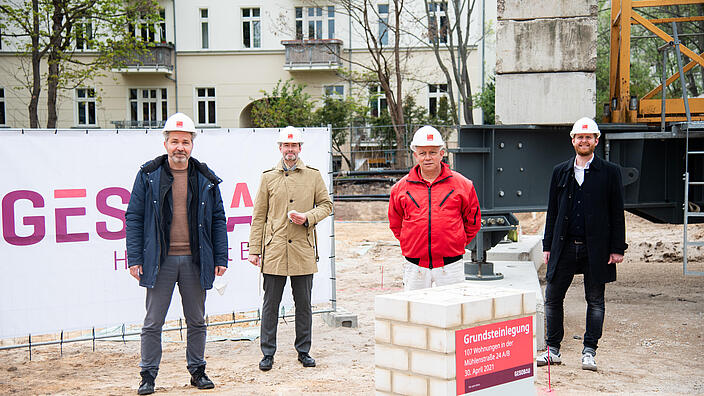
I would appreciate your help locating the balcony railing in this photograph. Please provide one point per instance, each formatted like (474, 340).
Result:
(312, 54)
(157, 59)
(132, 124)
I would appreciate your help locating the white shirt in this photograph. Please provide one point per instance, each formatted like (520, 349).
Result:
(579, 171)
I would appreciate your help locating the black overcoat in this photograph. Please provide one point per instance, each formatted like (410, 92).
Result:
(603, 215)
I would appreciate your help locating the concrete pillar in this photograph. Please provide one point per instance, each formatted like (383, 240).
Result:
(546, 61)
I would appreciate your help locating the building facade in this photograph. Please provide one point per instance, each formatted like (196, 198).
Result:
(211, 59)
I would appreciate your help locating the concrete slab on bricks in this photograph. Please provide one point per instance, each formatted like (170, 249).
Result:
(528, 248)
(546, 45)
(529, 9)
(545, 98)
(521, 276)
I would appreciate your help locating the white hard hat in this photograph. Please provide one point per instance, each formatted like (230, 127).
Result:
(290, 135)
(179, 122)
(427, 136)
(585, 125)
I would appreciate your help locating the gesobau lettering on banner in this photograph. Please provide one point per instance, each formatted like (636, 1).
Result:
(63, 198)
(494, 354)
(62, 215)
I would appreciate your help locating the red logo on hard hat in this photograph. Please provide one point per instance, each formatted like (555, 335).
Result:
(290, 136)
(179, 124)
(585, 126)
(430, 136)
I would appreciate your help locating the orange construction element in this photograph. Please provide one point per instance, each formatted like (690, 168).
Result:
(623, 15)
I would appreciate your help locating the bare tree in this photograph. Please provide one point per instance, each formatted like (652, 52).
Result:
(445, 27)
(448, 26)
(385, 59)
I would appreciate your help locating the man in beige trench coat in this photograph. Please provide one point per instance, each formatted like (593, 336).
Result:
(291, 200)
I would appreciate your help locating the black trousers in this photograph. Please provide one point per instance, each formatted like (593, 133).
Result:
(573, 260)
(273, 289)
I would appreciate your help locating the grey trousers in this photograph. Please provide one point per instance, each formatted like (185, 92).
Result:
(181, 270)
(273, 289)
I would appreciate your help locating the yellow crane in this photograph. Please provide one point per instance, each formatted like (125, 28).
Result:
(626, 108)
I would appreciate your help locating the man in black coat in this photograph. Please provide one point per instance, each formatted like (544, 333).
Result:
(584, 234)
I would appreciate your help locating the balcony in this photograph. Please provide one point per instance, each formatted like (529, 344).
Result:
(132, 124)
(312, 54)
(157, 59)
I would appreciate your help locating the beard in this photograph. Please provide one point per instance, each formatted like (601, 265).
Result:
(179, 157)
(585, 151)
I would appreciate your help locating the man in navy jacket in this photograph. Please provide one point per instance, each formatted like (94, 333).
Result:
(176, 233)
(584, 234)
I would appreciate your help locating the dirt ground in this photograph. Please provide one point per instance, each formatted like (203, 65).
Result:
(652, 342)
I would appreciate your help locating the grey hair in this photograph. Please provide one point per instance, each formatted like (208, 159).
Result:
(166, 135)
(441, 147)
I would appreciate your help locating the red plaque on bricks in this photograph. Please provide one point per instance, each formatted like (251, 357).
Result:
(493, 354)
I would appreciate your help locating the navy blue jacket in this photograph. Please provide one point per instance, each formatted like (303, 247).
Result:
(147, 231)
(605, 227)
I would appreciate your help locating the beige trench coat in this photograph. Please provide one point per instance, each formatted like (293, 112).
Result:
(287, 248)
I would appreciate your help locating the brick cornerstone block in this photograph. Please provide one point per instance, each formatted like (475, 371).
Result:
(416, 333)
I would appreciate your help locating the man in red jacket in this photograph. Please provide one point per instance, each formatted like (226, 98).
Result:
(434, 213)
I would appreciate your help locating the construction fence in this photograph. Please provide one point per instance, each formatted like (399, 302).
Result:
(374, 147)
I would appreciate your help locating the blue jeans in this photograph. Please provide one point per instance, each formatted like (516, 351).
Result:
(573, 260)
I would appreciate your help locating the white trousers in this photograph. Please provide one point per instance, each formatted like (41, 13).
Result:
(416, 277)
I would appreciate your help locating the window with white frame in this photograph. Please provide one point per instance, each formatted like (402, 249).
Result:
(2, 106)
(435, 92)
(162, 26)
(147, 32)
(299, 23)
(204, 28)
(315, 22)
(335, 91)
(383, 24)
(377, 100)
(148, 107)
(205, 106)
(331, 22)
(251, 28)
(437, 22)
(85, 106)
(84, 35)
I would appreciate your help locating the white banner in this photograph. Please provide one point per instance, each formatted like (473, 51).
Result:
(64, 194)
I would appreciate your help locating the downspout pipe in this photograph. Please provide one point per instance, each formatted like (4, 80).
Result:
(173, 12)
(483, 47)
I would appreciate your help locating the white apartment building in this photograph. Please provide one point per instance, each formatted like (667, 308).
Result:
(213, 59)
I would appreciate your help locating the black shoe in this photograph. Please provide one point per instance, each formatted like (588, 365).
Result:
(146, 387)
(200, 380)
(306, 360)
(267, 363)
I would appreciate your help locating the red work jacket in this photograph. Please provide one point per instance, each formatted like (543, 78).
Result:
(434, 221)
